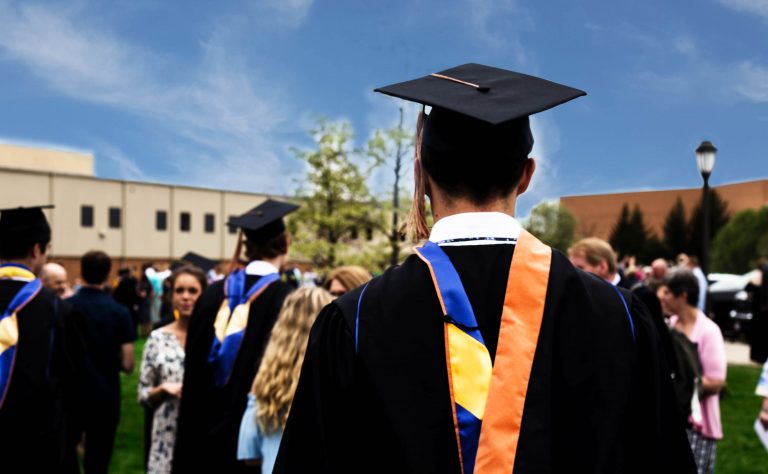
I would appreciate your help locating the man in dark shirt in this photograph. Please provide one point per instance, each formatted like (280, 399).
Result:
(108, 335)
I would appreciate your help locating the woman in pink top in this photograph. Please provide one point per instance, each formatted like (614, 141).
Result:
(679, 295)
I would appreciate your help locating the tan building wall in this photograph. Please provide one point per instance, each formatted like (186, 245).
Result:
(45, 160)
(69, 236)
(136, 238)
(142, 238)
(597, 214)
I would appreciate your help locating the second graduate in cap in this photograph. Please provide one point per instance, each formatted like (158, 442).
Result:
(227, 336)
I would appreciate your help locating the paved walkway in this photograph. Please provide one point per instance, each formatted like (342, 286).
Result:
(737, 353)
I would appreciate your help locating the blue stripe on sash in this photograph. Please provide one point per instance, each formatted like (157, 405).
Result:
(24, 295)
(235, 288)
(455, 299)
(6, 364)
(469, 433)
(629, 315)
(223, 354)
(357, 315)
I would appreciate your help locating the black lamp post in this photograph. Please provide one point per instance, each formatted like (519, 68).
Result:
(705, 160)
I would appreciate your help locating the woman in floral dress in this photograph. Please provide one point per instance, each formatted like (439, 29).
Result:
(162, 368)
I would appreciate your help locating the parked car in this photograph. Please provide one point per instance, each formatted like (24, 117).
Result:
(728, 303)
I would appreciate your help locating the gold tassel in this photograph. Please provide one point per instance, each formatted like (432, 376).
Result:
(416, 228)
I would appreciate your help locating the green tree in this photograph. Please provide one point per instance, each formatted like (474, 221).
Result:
(741, 242)
(718, 217)
(621, 234)
(336, 199)
(638, 232)
(392, 147)
(653, 248)
(676, 230)
(553, 224)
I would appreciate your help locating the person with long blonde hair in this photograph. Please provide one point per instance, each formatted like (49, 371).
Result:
(275, 383)
(345, 278)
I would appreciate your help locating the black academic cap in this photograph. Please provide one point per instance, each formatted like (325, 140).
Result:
(24, 225)
(195, 259)
(479, 111)
(264, 221)
(484, 93)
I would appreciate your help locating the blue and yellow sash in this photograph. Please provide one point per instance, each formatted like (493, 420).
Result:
(9, 324)
(488, 399)
(231, 321)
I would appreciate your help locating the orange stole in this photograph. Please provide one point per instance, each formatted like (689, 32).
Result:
(518, 337)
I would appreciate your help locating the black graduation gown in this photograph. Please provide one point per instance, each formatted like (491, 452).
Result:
(209, 417)
(35, 419)
(597, 402)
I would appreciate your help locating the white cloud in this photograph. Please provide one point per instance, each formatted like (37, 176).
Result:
(223, 112)
(718, 82)
(752, 82)
(289, 13)
(498, 23)
(545, 185)
(685, 45)
(757, 7)
(126, 167)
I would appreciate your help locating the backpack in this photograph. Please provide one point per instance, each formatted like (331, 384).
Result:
(686, 381)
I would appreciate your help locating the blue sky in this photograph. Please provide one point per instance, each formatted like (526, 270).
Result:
(216, 93)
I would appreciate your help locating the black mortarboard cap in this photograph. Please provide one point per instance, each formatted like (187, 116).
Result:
(264, 221)
(191, 258)
(480, 110)
(24, 225)
(484, 93)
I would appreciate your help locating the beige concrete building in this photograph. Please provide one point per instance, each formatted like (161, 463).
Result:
(133, 222)
(45, 160)
(596, 214)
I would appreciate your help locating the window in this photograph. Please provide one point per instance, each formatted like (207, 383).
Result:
(114, 217)
(369, 233)
(86, 216)
(232, 228)
(185, 222)
(161, 220)
(210, 223)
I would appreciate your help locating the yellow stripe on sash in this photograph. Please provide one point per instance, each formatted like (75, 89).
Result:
(222, 319)
(239, 319)
(16, 273)
(470, 370)
(9, 332)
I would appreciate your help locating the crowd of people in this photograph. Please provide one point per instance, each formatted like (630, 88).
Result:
(484, 351)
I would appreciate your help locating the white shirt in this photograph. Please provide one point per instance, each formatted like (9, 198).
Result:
(703, 286)
(260, 268)
(476, 228)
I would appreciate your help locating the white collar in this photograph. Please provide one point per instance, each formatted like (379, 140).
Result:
(473, 228)
(260, 268)
(616, 279)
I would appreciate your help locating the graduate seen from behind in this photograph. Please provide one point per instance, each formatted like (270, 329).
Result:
(39, 349)
(274, 385)
(485, 351)
(227, 334)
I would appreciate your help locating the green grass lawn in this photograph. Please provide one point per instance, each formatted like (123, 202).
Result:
(740, 452)
(128, 456)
